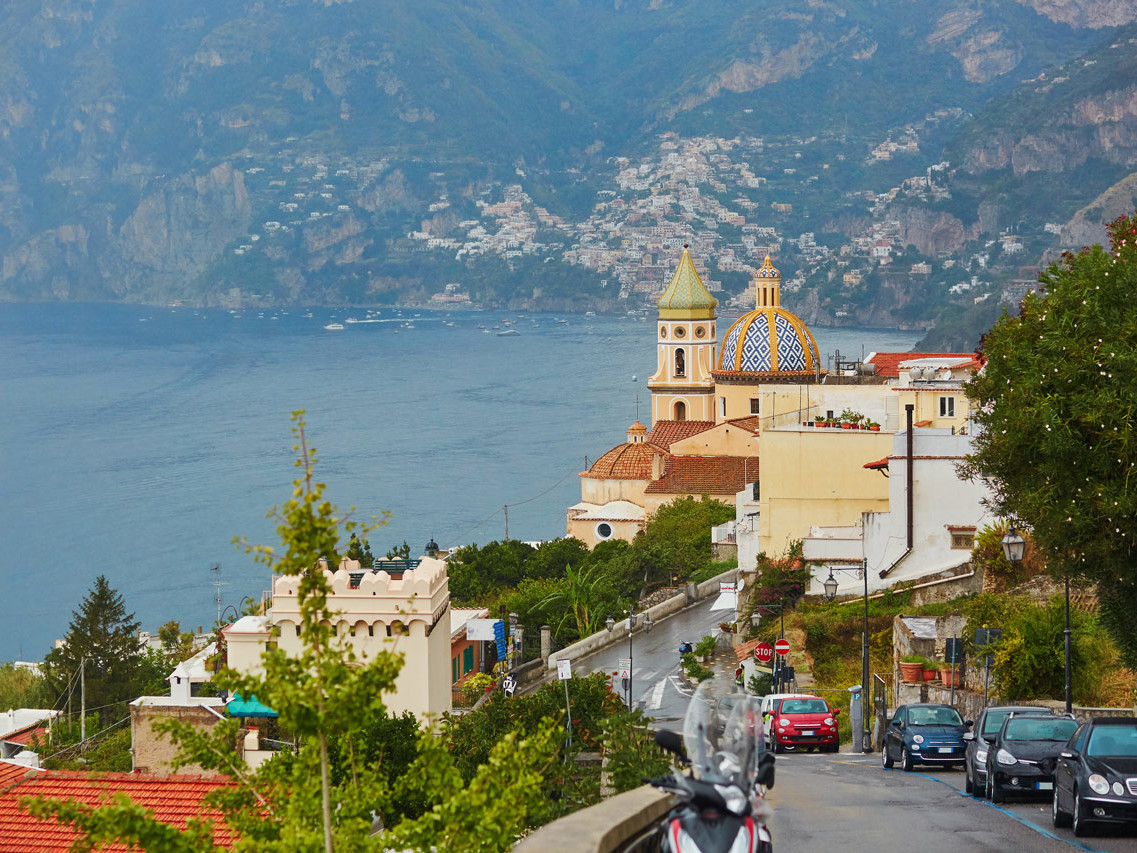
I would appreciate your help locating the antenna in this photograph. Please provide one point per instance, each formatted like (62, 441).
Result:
(218, 583)
(637, 407)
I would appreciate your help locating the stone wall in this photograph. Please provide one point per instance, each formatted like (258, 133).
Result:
(153, 752)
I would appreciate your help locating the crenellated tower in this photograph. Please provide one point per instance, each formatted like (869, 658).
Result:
(682, 388)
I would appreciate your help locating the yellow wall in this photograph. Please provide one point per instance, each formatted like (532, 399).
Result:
(816, 477)
(927, 403)
(602, 491)
(722, 440)
(585, 530)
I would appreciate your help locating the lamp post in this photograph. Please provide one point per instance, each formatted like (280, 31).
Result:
(633, 617)
(830, 586)
(1014, 546)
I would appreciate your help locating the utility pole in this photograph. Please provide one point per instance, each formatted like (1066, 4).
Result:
(506, 508)
(82, 699)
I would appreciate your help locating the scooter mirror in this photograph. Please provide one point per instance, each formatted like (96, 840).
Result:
(765, 774)
(671, 741)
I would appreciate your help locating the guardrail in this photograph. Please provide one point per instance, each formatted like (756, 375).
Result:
(626, 823)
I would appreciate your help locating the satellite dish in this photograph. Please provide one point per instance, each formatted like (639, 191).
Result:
(946, 376)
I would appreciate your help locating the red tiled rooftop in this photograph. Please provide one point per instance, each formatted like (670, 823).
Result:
(24, 736)
(666, 433)
(628, 461)
(888, 363)
(705, 475)
(172, 799)
(750, 422)
(11, 774)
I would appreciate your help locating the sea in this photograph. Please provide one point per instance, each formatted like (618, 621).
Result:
(136, 442)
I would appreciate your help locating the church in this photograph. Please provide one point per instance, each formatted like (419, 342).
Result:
(708, 406)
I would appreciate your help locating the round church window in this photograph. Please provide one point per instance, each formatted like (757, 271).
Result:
(663, 331)
(700, 332)
(680, 331)
(604, 530)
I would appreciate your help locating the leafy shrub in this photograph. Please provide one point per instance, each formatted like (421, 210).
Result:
(705, 647)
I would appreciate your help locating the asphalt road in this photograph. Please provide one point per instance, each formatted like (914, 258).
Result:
(656, 687)
(848, 802)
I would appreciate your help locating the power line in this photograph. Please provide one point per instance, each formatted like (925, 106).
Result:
(507, 506)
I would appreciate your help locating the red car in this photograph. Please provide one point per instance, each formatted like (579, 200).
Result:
(804, 722)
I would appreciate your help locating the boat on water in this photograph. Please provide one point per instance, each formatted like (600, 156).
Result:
(505, 333)
(334, 327)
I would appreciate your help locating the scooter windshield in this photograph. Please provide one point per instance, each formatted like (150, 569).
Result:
(722, 733)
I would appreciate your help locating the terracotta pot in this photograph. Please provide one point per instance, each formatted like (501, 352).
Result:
(874, 429)
(846, 426)
(946, 676)
(911, 673)
(929, 675)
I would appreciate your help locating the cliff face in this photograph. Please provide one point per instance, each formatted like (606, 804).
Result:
(1084, 13)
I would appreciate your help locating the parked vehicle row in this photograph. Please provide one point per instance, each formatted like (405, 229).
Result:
(1088, 771)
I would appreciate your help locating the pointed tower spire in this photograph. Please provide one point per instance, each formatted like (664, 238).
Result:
(686, 297)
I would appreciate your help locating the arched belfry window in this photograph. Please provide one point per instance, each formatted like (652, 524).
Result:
(680, 411)
(680, 362)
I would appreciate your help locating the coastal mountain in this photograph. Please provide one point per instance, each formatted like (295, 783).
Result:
(271, 151)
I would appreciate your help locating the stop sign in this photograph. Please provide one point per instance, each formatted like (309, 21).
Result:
(763, 653)
(782, 647)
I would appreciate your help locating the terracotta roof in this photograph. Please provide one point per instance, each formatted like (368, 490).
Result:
(750, 422)
(12, 774)
(171, 799)
(24, 736)
(628, 461)
(666, 433)
(876, 466)
(705, 475)
(888, 363)
(743, 651)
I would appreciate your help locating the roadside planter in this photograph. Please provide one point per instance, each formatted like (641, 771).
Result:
(930, 670)
(949, 678)
(911, 672)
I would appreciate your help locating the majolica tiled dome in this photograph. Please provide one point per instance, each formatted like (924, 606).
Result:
(769, 340)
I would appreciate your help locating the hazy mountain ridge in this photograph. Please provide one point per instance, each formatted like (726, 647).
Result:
(127, 129)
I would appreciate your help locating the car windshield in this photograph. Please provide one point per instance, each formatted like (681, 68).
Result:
(804, 706)
(994, 722)
(934, 717)
(1113, 741)
(1039, 728)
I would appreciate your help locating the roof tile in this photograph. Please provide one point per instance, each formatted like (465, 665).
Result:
(628, 461)
(172, 799)
(666, 433)
(705, 475)
(888, 363)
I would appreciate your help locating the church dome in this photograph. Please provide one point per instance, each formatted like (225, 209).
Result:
(629, 461)
(769, 342)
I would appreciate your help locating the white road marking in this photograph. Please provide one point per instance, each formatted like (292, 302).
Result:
(678, 686)
(657, 695)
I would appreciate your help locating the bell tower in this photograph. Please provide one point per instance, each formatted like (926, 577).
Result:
(682, 388)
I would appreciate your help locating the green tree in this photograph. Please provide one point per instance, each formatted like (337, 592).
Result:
(360, 551)
(102, 639)
(177, 645)
(400, 552)
(21, 687)
(480, 573)
(677, 539)
(584, 599)
(1057, 409)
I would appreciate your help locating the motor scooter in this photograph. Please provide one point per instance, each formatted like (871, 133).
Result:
(722, 807)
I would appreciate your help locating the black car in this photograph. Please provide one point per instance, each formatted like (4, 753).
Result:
(1022, 756)
(924, 734)
(979, 741)
(1096, 777)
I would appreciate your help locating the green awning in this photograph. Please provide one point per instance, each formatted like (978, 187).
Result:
(238, 707)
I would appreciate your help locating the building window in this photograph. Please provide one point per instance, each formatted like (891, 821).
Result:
(604, 530)
(947, 407)
(722, 406)
(755, 405)
(680, 331)
(663, 331)
(467, 659)
(680, 362)
(963, 540)
(680, 415)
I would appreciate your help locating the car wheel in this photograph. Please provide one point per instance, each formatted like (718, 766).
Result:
(885, 758)
(906, 760)
(968, 786)
(994, 792)
(832, 747)
(1081, 828)
(778, 748)
(1059, 817)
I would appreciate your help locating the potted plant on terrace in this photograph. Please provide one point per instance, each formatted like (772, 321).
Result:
(912, 669)
(930, 666)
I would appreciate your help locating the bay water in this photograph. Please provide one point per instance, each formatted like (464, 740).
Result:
(137, 441)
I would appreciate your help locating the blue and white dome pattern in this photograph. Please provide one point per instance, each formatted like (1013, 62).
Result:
(752, 346)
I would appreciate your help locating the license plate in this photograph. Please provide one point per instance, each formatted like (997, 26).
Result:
(945, 749)
(1045, 786)
(807, 734)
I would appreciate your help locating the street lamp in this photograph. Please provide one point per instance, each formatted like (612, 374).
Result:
(1013, 548)
(633, 617)
(830, 586)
